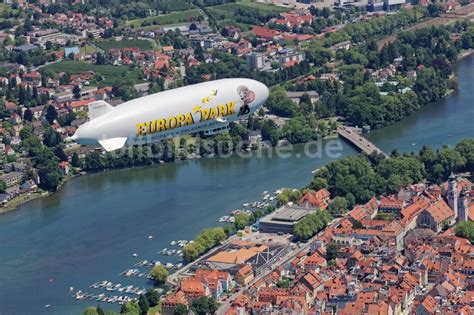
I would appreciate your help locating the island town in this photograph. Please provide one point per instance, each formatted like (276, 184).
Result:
(334, 70)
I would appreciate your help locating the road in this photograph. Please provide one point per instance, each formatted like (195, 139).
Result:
(352, 136)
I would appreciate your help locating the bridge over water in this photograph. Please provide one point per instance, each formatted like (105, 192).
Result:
(354, 137)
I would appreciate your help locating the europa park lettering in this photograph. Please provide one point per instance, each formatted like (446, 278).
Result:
(173, 122)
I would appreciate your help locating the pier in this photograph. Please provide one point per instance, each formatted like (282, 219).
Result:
(352, 135)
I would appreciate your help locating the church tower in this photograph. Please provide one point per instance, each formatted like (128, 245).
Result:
(452, 195)
(463, 205)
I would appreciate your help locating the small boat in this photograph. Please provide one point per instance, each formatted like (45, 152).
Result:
(173, 243)
(246, 204)
(135, 255)
(150, 237)
(47, 306)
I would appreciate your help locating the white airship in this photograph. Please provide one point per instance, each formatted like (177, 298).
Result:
(206, 108)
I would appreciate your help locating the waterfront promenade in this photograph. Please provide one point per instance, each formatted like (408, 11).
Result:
(352, 135)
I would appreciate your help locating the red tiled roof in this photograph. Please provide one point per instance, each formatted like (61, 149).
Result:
(391, 203)
(192, 287)
(440, 211)
(419, 205)
(80, 103)
(317, 199)
(264, 32)
(175, 299)
(245, 271)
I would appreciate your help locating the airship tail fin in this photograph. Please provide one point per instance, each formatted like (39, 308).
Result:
(99, 108)
(112, 143)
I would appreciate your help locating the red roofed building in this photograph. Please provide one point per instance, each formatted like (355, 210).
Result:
(10, 106)
(429, 306)
(314, 261)
(291, 20)
(415, 208)
(217, 281)
(391, 204)
(264, 32)
(289, 64)
(193, 289)
(244, 275)
(435, 216)
(172, 301)
(33, 78)
(76, 106)
(318, 199)
(161, 63)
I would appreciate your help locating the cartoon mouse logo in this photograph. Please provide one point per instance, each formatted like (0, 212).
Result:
(246, 97)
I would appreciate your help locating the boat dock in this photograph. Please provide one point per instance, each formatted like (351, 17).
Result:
(353, 136)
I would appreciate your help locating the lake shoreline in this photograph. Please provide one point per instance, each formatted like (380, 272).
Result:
(463, 55)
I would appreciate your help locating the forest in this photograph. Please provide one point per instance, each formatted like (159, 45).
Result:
(359, 178)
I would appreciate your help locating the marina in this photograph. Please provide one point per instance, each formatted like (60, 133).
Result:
(122, 299)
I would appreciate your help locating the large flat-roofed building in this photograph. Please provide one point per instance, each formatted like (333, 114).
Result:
(284, 219)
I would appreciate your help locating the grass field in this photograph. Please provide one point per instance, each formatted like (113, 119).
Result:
(108, 72)
(262, 8)
(140, 43)
(171, 18)
(89, 49)
(227, 13)
(174, 5)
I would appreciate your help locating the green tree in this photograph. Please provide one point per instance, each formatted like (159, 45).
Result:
(99, 309)
(159, 274)
(130, 308)
(76, 91)
(270, 132)
(26, 132)
(143, 304)
(204, 305)
(465, 229)
(465, 147)
(181, 309)
(50, 176)
(311, 224)
(331, 251)
(51, 114)
(338, 206)
(152, 296)
(90, 311)
(204, 241)
(75, 160)
(3, 186)
(28, 115)
(51, 138)
(241, 220)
